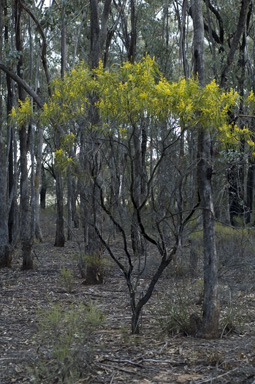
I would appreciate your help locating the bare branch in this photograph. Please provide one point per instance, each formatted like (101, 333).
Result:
(44, 43)
(23, 84)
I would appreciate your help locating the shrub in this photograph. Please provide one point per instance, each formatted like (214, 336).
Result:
(231, 320)
(96, 261)
(65, 338)
(66, 279)
(234, 247)
(178, 311)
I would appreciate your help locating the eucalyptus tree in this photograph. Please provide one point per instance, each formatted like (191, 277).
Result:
(227, 37)
(23, 138)
(5, 254)
(90, 143)
(211, 310)
(19, 12)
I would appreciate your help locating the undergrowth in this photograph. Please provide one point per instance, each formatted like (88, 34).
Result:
(66, 337)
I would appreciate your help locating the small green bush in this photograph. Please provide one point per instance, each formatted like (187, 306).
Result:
(234, 247)
(65, 339)
(177, 319)
(231, 321)
(66, 279)
(177, 311)
(95, 261)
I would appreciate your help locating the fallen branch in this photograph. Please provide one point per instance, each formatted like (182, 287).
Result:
(211, 379)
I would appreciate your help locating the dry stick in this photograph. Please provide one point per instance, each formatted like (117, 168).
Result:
(109, 366)
(125, 362)
(211, 379)
(112, 377)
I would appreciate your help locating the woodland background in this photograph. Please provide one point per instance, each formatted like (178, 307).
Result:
(135, 147)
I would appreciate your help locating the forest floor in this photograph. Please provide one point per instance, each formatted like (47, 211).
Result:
(118, 357)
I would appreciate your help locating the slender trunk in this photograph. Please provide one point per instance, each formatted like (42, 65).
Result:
(11, 147)
(235, 41)
(24, 195)
(250, 189)
(5, 255)
(92, 164)
(60, 235)
(211, 310)
(38, 173)
(43, 189)
(132, 45)
(60, 232)
(69, 203)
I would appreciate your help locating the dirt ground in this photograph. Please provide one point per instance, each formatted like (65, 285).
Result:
(152, 357)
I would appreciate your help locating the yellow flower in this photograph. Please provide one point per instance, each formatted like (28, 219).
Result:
(143, 95)
(13, 113)
(250, 143)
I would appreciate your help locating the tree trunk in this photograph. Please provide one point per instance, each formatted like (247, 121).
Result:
(211, 309)
(11, 148)
(235, 41)
(24, 196)
(69, 204)
(250, 189)
(5, 255)
(60, 234)
(60, 231)
(43, 189)
(132, 43)
(138, 185)
(92, 159)
(38, 173)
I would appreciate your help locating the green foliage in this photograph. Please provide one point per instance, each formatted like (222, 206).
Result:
(177, 321)
(233, 245)
(23, 113)
(232, 320)
(96, 261)
(178, 309)
(69, 99)
(136, 90)
(131, 91)
(66, 279)
(66, 336)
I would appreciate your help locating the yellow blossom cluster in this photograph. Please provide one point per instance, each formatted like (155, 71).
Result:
(130, 92)
(23, 113)
(69, 97)
(62, 155)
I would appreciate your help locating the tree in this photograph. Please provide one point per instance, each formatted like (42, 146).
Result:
(5, 254)
(229, 39)
(24, 197)
(128, 132)
(130, 99)
(91, 142)
(211, 310)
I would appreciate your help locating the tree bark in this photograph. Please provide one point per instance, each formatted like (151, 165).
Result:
(60, 228)
(24, 196)
(234, 45)
(22, 83)
(60, 235)
(211, 309)
(5, 254)
(43, 189)
(92, 159)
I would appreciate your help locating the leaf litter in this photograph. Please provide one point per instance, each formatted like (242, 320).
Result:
(119, 357)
